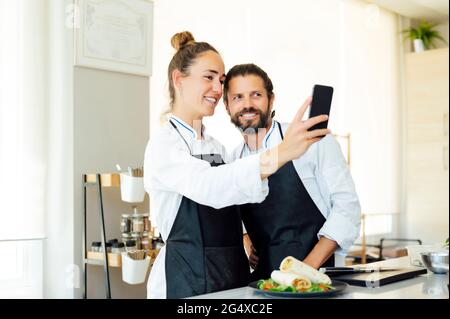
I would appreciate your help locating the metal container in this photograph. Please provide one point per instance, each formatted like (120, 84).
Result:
(436, 262)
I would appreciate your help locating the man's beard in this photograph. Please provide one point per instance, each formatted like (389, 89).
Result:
(247, 127)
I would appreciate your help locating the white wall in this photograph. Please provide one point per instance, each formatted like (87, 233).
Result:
(370, 76)
(110, 127)
(59, 256)
(278, 37)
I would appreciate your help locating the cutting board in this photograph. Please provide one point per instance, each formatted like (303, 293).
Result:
(378, 279)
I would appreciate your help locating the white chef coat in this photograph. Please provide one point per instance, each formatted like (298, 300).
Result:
(328, 181)
(171, 173)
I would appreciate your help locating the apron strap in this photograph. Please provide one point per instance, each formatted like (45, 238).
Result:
(281, 132)
(176, 129)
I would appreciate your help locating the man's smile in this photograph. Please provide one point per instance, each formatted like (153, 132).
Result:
(249, 116)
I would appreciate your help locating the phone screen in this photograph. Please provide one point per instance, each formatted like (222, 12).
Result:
(321, 104)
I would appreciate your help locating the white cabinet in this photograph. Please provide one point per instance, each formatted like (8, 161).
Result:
(426, 158)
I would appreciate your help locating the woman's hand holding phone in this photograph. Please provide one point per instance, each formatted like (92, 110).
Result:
(297, 140)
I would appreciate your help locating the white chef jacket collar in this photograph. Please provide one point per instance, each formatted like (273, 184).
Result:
(266, 142)
(185, 129)
(266, 139)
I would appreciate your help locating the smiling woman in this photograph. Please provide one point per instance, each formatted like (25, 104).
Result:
(185, 68)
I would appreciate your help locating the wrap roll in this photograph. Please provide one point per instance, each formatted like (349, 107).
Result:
(299, 282)
(295, 266)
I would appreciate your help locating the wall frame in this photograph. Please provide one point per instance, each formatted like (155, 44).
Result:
(114, 35)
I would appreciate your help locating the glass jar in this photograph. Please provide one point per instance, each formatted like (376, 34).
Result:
(95, 246)
(117, 248)
(108, 247)
(125, 224)
(130, 245)
(147, 224)
(146, 243)
(126, 236)
(112, 241)
(137, 238)
(138, 224)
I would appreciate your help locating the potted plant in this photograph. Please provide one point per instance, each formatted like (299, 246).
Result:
(424, 36)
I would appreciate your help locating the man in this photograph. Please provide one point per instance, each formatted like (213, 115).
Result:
(312, 209)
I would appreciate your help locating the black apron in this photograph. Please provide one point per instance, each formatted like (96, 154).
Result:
(285, 224)
(204, 250)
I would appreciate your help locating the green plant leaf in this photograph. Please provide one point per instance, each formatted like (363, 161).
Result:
(438, 36)
(424, 31)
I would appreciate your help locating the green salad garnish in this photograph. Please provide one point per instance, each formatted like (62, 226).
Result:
(270, 285)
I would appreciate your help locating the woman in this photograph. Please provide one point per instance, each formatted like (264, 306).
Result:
(192, 193)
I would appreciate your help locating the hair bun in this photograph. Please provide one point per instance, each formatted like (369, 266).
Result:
(182, 39)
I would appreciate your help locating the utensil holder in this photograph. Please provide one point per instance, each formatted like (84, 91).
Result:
(132, 188)
(134, 271)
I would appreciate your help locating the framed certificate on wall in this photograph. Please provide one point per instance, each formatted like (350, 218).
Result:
(115, 35)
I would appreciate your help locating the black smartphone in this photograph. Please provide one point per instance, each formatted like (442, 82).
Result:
(321, 104)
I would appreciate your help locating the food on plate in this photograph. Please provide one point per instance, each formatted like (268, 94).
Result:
(295, 266)
(299, 282)
(288, 282)
(296, 276)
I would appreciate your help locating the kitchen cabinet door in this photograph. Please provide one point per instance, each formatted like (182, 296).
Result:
(426, 158)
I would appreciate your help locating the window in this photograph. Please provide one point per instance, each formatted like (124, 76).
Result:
(370, 110)
(22, 149)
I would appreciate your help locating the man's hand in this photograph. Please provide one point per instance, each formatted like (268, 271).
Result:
(250, 251)
(323, 250)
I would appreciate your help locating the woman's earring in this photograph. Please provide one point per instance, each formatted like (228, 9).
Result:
(272, 114)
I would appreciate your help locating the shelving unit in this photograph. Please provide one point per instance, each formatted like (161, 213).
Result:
(103, 258)
(97, 258)
(136, 227)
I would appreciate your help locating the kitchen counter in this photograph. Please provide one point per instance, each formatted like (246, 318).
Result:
(429, 286)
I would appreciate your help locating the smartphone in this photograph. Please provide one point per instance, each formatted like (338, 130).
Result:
(321, 104)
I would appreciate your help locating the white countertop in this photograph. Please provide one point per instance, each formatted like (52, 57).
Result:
(429, 286)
